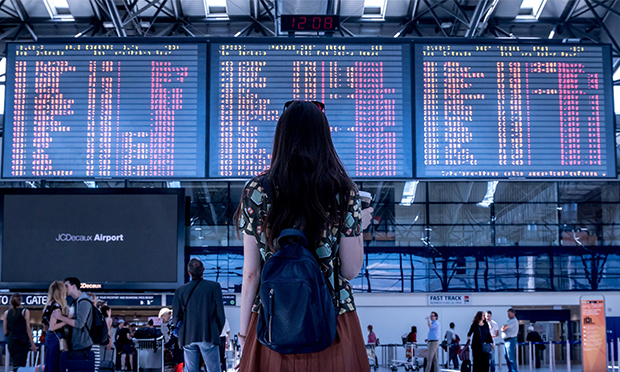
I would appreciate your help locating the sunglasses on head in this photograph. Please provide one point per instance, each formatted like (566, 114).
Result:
(318, 104)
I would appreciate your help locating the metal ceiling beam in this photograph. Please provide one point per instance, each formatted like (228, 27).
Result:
(475, 19)
(487, 15)
(177, 8)
(603, 26)
(583, 10)
(116, 19)
(566, 14)
(130, 8)
(436, 18)
(406, 28)
(5, 9)
(23, 17)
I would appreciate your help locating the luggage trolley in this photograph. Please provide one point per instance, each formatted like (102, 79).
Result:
(414, 357)
(373, 361)
(150, 354)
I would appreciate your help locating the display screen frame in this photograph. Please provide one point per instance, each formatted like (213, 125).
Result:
(408, 92)
(610, 116)
(130, 286)
(202, 105)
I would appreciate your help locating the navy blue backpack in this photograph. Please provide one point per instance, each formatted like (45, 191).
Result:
(297, 313)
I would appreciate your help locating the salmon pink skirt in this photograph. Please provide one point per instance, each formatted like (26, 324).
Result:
(346, 354)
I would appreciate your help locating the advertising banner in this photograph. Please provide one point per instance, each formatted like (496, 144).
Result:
(593, 335)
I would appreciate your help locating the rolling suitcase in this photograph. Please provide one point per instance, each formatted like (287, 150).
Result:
(77, 361)
(106, 365)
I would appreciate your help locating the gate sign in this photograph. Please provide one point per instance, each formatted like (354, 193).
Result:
(593, 335)
(448, 300)
(32, 299)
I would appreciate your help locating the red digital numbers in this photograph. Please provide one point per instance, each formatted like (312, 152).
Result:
(309, 23)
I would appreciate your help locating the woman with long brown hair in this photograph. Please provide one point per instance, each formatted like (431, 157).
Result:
(16, 324)
(56, 300)
(481, 336)
(306, 187)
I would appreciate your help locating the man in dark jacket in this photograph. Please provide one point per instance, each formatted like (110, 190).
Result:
(199, 311)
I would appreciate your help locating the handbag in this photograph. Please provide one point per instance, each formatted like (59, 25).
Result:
(487, 348)
(62, 343)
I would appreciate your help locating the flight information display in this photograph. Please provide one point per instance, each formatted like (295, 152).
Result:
(514, 111)
(105, 110)
(366, 89)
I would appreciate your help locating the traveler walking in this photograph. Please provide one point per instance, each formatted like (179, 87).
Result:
(494, 328)
(16, 325)
(198, 309)
(452, 341)
(434, 330)
(510, 331)
(533, 336)
(56, 300)
(307, 188)
(481, 343)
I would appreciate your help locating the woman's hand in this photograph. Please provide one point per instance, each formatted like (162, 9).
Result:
(366, 217)
(33, 347)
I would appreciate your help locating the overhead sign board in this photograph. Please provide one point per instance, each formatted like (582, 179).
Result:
(449, 300)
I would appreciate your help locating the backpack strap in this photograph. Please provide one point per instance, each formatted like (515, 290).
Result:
(77, 304)
(190, 295)
(187, 303)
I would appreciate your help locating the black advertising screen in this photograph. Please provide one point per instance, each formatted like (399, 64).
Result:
(104, 109)
(514, 110)
(123, 239)
(366, 88)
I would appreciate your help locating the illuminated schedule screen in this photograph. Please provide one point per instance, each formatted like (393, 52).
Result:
(507, 110)
(105, 110)
(366, 89)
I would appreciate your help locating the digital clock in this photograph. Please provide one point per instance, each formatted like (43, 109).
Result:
(312, 22)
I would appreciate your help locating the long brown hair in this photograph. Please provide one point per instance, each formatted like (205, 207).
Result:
(479, 316)
(16, 300)
(309, 186)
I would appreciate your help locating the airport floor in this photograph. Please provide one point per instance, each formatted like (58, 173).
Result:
(522, 369)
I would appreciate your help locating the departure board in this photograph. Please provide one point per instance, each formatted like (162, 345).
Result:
(105, 110)
(514, 111)
(366, 89)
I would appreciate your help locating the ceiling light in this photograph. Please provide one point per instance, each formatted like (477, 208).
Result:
(531, 9)
(374, 9)
(216, 9)
(409, 193)
(58, 9)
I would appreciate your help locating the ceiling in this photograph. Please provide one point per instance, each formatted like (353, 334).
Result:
(587, 20)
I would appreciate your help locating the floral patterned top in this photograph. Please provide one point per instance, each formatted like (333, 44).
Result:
(255, 207)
